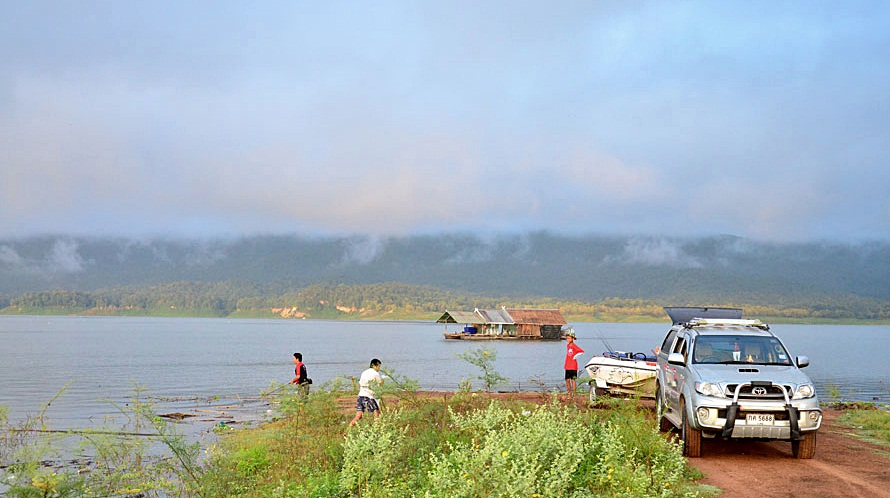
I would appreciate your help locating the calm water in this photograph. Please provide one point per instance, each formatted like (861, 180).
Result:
(185, 363)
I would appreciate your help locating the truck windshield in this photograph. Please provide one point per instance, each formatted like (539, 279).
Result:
(740, 349)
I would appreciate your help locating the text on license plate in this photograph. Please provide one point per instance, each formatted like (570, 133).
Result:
(759, 418)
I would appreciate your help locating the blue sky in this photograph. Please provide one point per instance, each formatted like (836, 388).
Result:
(766, 120)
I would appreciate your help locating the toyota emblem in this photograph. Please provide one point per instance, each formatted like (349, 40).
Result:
(759, 391)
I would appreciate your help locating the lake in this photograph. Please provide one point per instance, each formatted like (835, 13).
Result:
(205, 364)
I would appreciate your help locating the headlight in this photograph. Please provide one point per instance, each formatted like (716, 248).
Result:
(703, 413)
(708, 389)
(804, 391)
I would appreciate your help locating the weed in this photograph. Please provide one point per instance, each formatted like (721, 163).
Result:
(833, 392)
(484, 358)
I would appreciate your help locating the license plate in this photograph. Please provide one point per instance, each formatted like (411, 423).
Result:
(759, 419)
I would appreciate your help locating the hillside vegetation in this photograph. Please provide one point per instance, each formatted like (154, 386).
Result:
(391, 301)
(588, 278)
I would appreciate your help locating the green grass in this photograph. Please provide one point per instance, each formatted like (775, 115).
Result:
(462, 445)
(869, 422)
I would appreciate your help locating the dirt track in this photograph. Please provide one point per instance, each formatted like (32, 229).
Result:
(843, 466)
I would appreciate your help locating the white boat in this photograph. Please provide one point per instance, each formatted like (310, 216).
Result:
(622, 373)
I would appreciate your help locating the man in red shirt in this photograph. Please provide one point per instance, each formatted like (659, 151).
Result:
(301, 378)
(573, 351)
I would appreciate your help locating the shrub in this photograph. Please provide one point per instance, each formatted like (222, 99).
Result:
(484, 358)
(374, 456)
(552, 451)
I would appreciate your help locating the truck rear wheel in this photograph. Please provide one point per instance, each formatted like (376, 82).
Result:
(664, 425)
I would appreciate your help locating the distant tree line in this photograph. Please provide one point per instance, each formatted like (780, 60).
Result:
(402, 300)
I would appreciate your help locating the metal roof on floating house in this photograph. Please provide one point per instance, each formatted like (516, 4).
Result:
(467, 317)
(541, 317)
(500, 316)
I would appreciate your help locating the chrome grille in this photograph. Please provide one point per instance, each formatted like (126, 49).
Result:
(748, 392)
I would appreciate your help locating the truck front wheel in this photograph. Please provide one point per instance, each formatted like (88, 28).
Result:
(806, 447)
(691, 437)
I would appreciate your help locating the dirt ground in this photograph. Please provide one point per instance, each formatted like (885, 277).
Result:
(843, 465)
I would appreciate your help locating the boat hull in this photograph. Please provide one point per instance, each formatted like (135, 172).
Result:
(619, 373)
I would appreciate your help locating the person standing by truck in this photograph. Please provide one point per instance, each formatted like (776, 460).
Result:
(573, 350)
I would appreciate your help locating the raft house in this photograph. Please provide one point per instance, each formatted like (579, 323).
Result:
(503, 323)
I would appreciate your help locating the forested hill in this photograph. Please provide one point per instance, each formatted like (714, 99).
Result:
(586, 269)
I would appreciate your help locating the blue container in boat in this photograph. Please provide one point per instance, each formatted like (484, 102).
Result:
(469, 330)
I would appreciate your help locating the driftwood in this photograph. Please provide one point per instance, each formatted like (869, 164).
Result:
(72, 431)
(176, 415)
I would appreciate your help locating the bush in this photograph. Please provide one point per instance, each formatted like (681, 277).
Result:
(552, 451)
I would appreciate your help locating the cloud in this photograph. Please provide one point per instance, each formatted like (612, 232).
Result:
(473, 252)
(390, 120)
(206, 255)
(655, 252)
(10, 258)
(63, 257)
(363, 250)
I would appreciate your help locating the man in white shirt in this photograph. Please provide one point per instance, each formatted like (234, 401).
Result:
(366, 401)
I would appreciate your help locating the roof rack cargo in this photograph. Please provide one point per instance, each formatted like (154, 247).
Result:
(683, 314)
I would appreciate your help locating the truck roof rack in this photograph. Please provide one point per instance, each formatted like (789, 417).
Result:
(727, 321)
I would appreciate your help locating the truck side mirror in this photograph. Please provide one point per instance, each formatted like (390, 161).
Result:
(802, 361)
(676, 359)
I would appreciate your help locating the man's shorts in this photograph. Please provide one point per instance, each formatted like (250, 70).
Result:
(366, 404)
(571, 374)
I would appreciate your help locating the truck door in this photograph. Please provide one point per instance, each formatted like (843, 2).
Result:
(675, 376)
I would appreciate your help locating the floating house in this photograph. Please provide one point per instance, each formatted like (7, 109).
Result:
(503, 323)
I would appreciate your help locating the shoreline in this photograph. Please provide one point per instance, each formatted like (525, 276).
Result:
(775, 320)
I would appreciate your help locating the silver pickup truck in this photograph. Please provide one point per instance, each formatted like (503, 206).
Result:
(722, 376)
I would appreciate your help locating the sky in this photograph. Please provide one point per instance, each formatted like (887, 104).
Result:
(764, 120)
